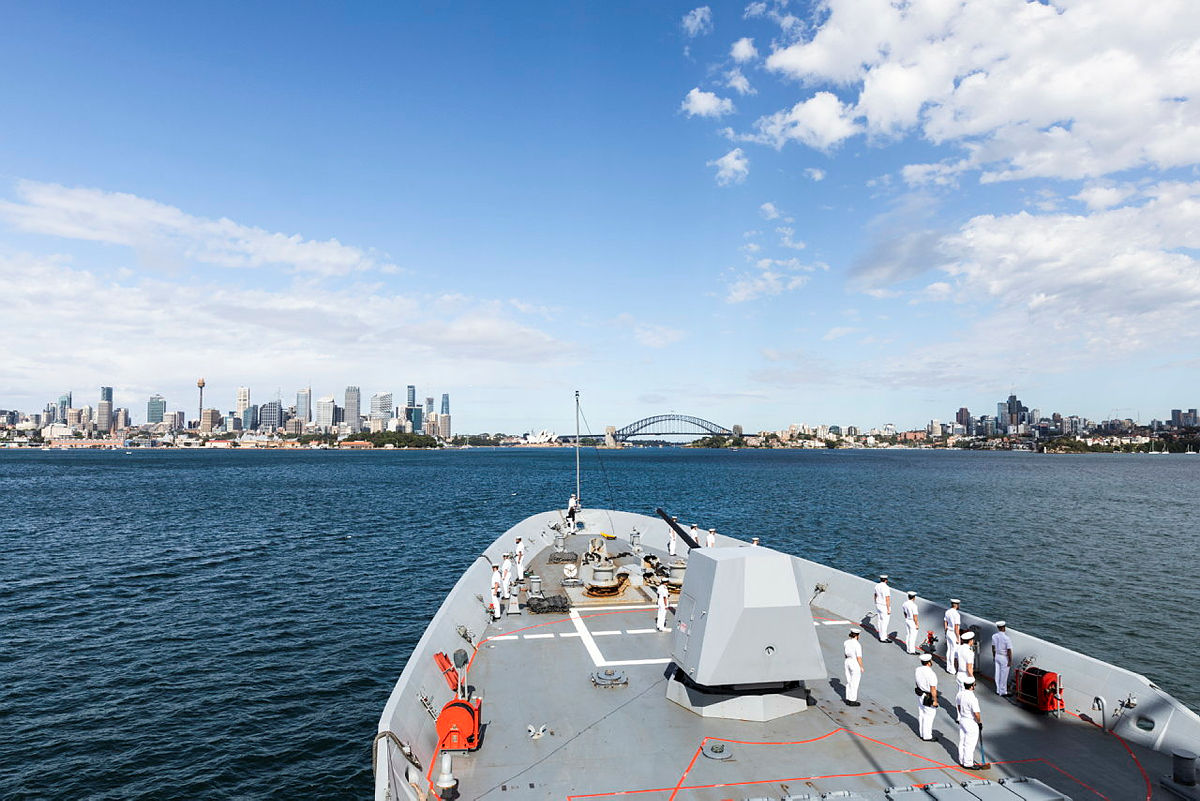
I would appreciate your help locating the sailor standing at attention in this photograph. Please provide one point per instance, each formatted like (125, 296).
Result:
(953, 621)
(883, 606)
(911, 622)
(966, 658)
(928, 703)
(710, 540)
(671, 535)
(519, 559)
(505, 576)
(1001, 656)
(663, 595)
(854, 666)
(695, 534)
(495, 592)
(969, 723)
(572, 506)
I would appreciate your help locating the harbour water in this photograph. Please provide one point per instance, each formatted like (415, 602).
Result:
(229, 624)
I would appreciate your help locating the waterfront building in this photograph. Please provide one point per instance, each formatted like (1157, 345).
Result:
(304, 404)
(414, 417)
(445, 403)
(178, 420)
(294, 426)
(428, 406)
(121, 419)
(156, 409)
(444, 430)
(353, 409)
(250, 418)
(104, 413)
(412, 395)
(270, 416)
(106, 394)
(242, 403)
(326, 407)
(73, 417)
(64, 403)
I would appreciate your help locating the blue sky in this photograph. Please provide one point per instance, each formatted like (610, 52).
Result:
(849, 212)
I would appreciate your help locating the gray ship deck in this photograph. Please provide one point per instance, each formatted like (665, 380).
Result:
(534, 670)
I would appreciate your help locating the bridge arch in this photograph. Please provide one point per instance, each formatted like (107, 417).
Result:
(667, 424)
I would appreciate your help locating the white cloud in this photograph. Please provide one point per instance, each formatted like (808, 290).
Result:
(785, 238)
(1070, 90)
(154, 228)
(1103, 196)
(756, 9)
(698, 21)
(699, 103)
(743, 50)
(772, 277)
(821, 122)
(838, 332)
(815, 173)
(732, 168)
(734, 79)
(769, 211)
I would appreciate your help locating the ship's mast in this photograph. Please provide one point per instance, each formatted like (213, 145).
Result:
(577, 495)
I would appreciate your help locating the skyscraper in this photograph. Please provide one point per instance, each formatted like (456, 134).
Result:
(106, 394)
(304, 404)
(381, 406)
(270, 416)
(104, 413)
(325, 412)
(64, 403)
(250, 418)
(243, 401)
(156, 409)
(445, 403)
(428, 406)
(412, 395)
(354, 409)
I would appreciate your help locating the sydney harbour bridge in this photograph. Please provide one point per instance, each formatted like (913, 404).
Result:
(666, 425)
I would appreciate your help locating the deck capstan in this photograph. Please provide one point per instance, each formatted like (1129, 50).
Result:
(744, 641)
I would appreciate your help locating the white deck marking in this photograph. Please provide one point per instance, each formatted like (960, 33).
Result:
(539, 636)
(607, 633)
(504, 637)
(637, 662)
(590, 609)
(641, 631)
(568, 634)
(588, 642)
(835, 622)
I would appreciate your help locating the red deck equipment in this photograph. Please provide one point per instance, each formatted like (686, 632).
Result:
(1039, 689)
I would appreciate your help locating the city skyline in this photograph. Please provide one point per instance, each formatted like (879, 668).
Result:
(752, 212)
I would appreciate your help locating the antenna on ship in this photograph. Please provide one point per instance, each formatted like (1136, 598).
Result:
(577, 495)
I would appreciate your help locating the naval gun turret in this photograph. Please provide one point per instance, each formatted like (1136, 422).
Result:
(744, 641)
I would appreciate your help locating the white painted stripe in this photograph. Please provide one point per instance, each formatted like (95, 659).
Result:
(617, 608)
(568, 634)
(539, 636)
(636, 662)
(641, 631)
(588, 642)
(608, 633)
(504, 637)
(835, 622)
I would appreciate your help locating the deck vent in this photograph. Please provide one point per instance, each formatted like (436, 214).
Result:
(718, 751)
(610, 678)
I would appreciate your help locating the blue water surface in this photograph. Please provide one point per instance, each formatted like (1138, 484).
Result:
(229, 624)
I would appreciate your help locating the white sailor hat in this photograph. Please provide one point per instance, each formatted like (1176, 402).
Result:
(854, 632)
(967, 681)
(912, 593)
(968, 635)
(694, 525)
(955, 601)
(1000, 624)
(713, 530)
(883, 576)
(926, 658)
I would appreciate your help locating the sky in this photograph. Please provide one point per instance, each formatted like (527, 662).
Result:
(850, 212)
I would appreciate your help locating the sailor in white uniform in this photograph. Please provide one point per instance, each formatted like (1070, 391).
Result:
(927, 702)
(969, 723)
(852, 648)
(695, 533)
(1001, 656)
(495, 592)
(663, 595)
(883, 607)
(671, 535)
(953, 622)
(966, 658)
(572, 510)
(519, 560)
(710, 540)
(506, 576)
(911, 622)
